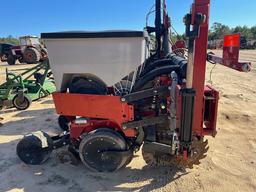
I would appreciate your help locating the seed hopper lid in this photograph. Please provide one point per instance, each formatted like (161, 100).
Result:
(92, 34)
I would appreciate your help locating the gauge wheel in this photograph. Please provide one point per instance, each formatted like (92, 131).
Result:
(94, 148)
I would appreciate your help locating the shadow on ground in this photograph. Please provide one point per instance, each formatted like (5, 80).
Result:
(47, 102)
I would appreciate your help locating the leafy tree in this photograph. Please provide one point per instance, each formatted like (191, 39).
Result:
(244, 30)
(10, 39)
(218, 30)
(175, 37)
(253, 31)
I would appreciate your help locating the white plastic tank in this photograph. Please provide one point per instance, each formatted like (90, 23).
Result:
(110, 55)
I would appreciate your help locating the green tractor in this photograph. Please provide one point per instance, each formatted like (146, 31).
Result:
(20, 90)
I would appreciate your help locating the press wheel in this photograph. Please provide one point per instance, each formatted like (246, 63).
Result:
(35, 148)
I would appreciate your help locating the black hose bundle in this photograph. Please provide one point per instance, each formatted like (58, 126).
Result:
(153, 74)
(161, 67)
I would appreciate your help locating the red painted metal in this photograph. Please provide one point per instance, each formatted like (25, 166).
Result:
(231, 62)
(200, 54)
(70, 118)
(16, 47)
(93, 106)
(163, 80)
(77, 129)
(179, 47)
(211, 98)
(230, 56)
(185, 155)
(231, 40)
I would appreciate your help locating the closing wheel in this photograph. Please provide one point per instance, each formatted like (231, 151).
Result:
(21, 102)
(199, 148)
(154, 159)
(35, 148)
(103, 150)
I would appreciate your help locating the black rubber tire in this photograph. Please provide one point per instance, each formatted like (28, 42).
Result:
(88, 85)
(35, 148)
(90, 77)
(21, 60)
(98, 140)
(63, 123)
(21, 103)
(11, 60)
(31, 55)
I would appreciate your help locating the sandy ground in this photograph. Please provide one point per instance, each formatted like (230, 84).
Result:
(229, 166)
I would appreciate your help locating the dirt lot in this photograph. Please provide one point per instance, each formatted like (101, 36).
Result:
(229, 166)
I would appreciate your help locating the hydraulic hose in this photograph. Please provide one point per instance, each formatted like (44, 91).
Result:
(158, 63)
(172, 59)
(154, 73)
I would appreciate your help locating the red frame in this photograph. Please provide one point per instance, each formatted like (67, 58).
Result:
(179, 47)
(116, 112)
(212, 110)
(97, 107)
(77, 129)
(200, 54)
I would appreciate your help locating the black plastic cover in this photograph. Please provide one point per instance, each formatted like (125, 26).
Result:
(88, 34)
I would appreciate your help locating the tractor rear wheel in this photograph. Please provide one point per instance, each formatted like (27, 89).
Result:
(101, 150)
(11, 60)
(35, 148)
(21, 102)
(31, 55)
